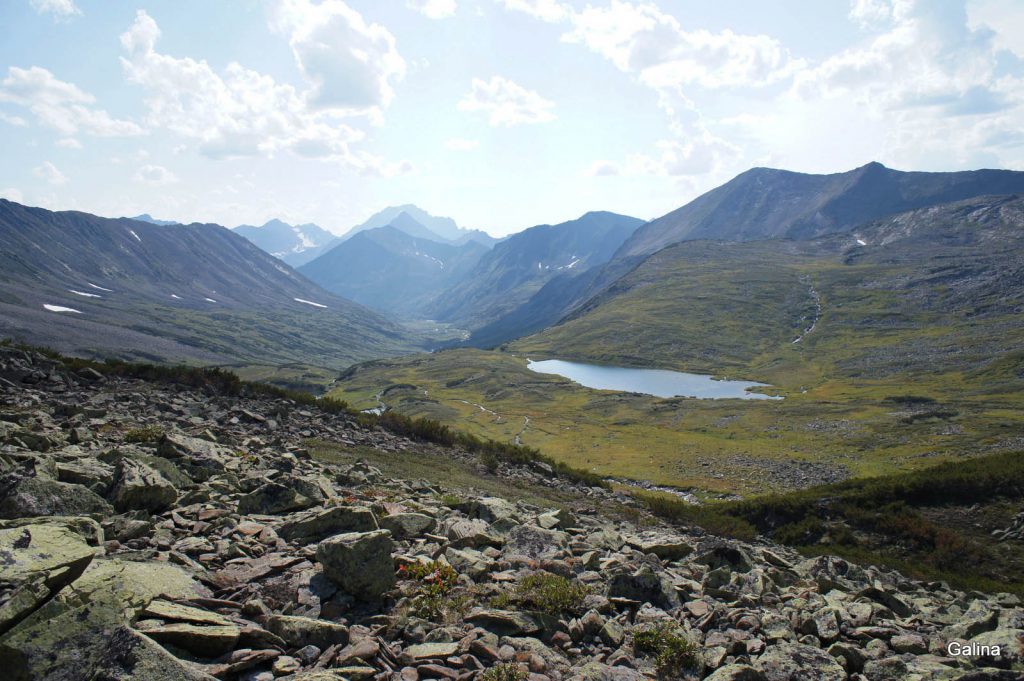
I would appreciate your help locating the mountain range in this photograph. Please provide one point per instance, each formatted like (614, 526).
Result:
(389, 269)
(765, 203)
(928, 290)
(195, 293)
(187, 288)
(510, 273)
(759, 204)
(422, 224)
(301, 244)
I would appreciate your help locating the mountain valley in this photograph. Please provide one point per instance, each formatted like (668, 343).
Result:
(512, 340)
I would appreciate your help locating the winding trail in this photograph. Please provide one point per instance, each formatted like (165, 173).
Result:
(481, 408)
(816, 297)
(526, 424)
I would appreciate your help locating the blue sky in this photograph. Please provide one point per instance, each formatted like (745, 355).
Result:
(502, 114)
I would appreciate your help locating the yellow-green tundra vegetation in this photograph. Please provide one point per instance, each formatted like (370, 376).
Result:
(914, 359)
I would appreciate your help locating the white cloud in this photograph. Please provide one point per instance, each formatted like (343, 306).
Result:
(926, 88)
(60, 9)
(16, 121)
(870, 12)
(678, 64)
(641, 39)
(460, 144)
(60, 105)
(1004, 17)
(69, 143)
(240, 112)
(12, 194)
(604, 168)
(435, 9)
(927, 59)
(349, 63)
(696, 156)
(546, 10)
(155, 175)
(370, 165)
(49, 172)
(507, 103)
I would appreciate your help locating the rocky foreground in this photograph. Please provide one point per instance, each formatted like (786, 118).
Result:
(151, 532)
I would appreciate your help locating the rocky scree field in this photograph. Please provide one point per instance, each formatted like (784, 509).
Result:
(173, 530)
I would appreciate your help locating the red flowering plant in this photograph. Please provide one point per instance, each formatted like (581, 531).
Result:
(434, 583)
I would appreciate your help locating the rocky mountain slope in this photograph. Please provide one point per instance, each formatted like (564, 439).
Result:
(506, 277)
(294, 244)
(156, 531)
(764, 203)
(198, 293)
(936, 290)
(389, 269)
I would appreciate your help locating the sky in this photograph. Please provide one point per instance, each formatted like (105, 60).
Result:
(502, 114)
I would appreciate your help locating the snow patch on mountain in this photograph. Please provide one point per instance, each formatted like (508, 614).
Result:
(61, 308)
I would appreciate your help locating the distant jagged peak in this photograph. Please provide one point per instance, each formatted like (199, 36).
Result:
(146, 217)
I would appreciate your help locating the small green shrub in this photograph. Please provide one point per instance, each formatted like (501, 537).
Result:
(505, 672)
(144, 435)
(490, 461)
(451, 500)
(545, 592)
(673, 652)
(803, 533)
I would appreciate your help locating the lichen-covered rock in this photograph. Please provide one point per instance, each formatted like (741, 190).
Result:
(645, 585)
(37, 561)
(360, 563)
(23, 497)
(663, 547)
(503, 622)
(139, 487)
(536, 542)
(198, 639)
(129, 655)
(321, 524)
(299, 632)
(596, 671)
(201, 459)
(790, 661)
(736, 672)
(429, 651)
(91, 473)
(65, 638)
(274, 498)
(407, 525)
(488, 509)
(86, 528)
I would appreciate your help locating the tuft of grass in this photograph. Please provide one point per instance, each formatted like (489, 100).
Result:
(147, 434)
(505, 672)
(674, 654)
(451, 500)
(547, 593)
